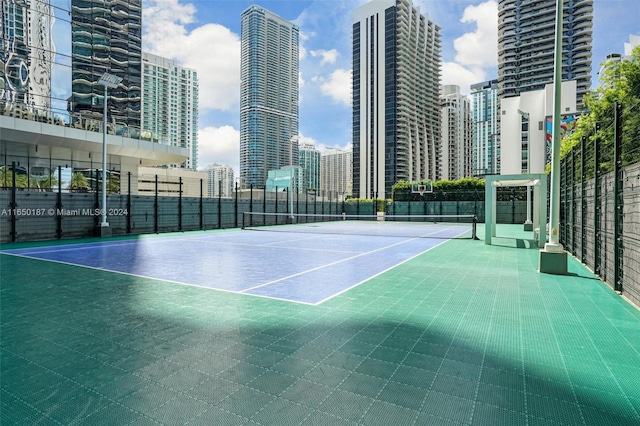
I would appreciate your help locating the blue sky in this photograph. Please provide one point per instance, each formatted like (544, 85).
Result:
(205, 35)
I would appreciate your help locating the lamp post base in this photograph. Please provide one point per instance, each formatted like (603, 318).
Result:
(528, 226)
(103, 230)
(552, 261)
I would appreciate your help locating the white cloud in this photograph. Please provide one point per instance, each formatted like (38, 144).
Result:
(479, 48)
(219, 145)
(338, 86)
(211, 49)
(328, 56)
(454, 73)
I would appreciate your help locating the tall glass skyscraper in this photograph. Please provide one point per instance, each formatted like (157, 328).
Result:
(396, 97)
(310, 164)
(486, 131)
(106, 37)
(268, 95)
(526, 39)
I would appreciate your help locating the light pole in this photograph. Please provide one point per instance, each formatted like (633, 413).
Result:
(109, 81)
(293, 140)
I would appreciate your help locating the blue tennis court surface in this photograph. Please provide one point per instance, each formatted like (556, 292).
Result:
(294, 266)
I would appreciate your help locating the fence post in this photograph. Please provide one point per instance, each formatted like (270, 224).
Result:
(618, 201)
(180, 204)
(250, 205)
(235, 209)
(155, 207)
(220, 204)
(128, 202)
(583, 197)
(59, 205)
(201, 207)
(14, 205)
(597, 265)
(96, 219)
(572, 186)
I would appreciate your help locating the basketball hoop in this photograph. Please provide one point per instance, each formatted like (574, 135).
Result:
(421, 189)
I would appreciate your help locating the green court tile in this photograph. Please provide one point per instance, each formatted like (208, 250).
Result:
(284, 346)
(213, 364)
(382, 413)
(327, 375)
(552, 409)
(357, 348)
(370, 338)
(307, 393)
(389, 354)
(413, 377)
(313, 352)
(242, 373)
(502, 397)
(179, 410)
(218, 416)
(318, 418)
(460, 369)
(265, 358)
(424, 362)
(294, 366)
(185, 379)
(428, 348)
(595, 416)
(159, 370)
(346, 405)
(604, 401)
(245, 402)
(377, 368)
(77, 408)
(123, 386)
(272, 382)
(487, 414)
(113, 414)
(363, 385)
(343, 360)
(402, 395)
(454, 386)
(465, 356)
(149, 398)
(282, 413)
(14, 411)
(213, 390)
(443, 406)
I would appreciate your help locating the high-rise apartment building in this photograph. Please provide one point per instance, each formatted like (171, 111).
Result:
(457, 133)
(106, 37)
(396, 97)
(310, 164)
(26, 52)
(526, 40)
(220, 180)
(336, 173)
(268, 95)
(486, 130)
(170, 104)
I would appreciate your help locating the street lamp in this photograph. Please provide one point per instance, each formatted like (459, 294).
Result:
(109, 81)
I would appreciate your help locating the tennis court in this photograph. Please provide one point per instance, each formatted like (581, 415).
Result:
(456, 333)
(305, 262)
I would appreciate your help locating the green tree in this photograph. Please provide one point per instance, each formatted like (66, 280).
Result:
(6, 178)
(619, 83)
(79, 183)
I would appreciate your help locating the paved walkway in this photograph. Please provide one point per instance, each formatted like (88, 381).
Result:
(465, 334)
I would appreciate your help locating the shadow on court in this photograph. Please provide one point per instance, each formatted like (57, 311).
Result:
(83, 346)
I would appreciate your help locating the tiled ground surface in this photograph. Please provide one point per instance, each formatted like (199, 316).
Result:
(465, 334)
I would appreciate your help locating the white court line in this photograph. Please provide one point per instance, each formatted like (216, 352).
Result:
(329, 264)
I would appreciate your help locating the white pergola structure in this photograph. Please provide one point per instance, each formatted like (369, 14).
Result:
(536, 180)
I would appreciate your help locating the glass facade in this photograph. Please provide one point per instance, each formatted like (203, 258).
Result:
(106, 37)
(486, 141)
(268, 95)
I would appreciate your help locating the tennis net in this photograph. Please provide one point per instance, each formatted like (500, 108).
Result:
(407, 226)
